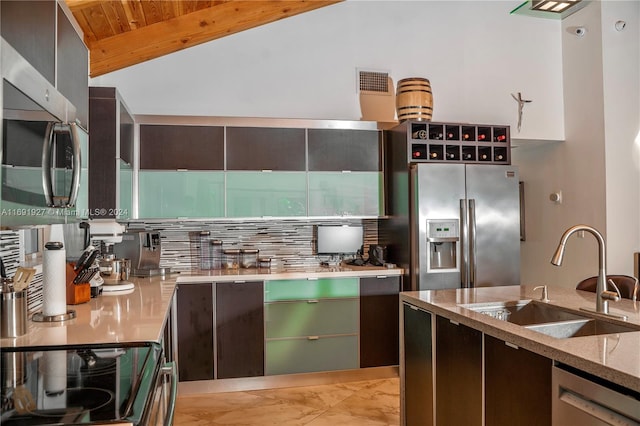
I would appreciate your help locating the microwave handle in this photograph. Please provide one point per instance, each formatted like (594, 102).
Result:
(77, 164)
(47, 163)
(47, 145)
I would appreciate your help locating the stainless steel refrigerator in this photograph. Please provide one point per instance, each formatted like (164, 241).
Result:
(458, 225)
(452, 205)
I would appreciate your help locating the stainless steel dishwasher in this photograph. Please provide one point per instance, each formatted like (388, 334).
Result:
(585, 400)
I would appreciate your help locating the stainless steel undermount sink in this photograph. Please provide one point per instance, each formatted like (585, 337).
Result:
(547, 319)
(578, 328)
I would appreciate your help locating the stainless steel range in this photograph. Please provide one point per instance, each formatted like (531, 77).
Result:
(87, 385)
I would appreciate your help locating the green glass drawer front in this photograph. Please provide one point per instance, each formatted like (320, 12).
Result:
(311, 318)
(172, 194)
(345, 194)
(258, 194)
(289, 356)
(311, 289)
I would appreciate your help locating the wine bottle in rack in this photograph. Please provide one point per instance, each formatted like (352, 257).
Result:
(420, 134)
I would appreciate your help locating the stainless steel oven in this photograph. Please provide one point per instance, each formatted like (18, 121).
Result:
(87, 385)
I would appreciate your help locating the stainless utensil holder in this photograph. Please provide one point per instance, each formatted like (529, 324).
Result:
(13, 313)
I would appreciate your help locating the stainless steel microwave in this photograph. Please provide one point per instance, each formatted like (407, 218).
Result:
(41, 147)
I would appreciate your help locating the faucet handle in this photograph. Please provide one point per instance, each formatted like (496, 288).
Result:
(545, 293)
(610, 281)
(610, 295)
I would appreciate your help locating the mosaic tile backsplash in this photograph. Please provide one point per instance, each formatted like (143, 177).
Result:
(289, 243)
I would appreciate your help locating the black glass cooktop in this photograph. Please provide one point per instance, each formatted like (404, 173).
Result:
(76, 385)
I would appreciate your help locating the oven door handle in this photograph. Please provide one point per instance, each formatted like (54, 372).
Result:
(170, 370)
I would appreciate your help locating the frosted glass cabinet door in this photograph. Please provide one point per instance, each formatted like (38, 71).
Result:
(173, 194)
(345, 194)
(82, 202)
(258, 194)
(126, 188)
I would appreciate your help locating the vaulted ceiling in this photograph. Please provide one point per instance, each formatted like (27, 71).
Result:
(121, 33)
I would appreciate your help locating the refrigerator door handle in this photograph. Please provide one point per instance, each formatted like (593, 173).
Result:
(464, 260)
(472, 242)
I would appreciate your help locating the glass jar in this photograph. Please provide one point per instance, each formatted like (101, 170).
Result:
(205, 257)
(264, 263)
(231, 258)
(249, 258)
(215, 253)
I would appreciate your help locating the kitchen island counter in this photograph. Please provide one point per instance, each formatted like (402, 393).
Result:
(614, 357)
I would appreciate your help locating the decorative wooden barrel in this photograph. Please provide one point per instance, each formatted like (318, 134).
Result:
(414, 100)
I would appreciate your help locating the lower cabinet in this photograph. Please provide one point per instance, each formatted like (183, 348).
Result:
(517, 385)
(195, 331)
(222, 336)
(446, 374)
(458, 374)
(311, 325)
(239, 329)
(311, 354)
(418, 367)
(254, 328)
(379, 321)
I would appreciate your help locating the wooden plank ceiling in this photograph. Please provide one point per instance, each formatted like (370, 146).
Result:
(121, 33)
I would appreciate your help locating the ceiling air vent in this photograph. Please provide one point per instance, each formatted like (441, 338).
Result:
(373, 82)
(376, 94)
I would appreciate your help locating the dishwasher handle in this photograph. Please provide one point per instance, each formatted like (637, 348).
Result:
(594, 409)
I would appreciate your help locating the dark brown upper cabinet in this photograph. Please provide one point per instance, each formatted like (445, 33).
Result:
(73, 68)
(174, 147)
(260, 148)
(43, 34)
(338, 150)
(110, 138)
(30, 27)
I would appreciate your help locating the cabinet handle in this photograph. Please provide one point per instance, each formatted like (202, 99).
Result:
(312, 301)
(266, 171)
(346, 171)
(312, 279)
(511, 345)
(454, 322)
(182, 170)
(239, 282)
(415, 308)
(380, 277)
(313, 338)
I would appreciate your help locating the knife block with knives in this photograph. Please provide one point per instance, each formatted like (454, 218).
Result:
(79, 292)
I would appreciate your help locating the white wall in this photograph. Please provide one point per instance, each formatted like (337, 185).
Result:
(596, 167)
(474, 53)
(621, 70)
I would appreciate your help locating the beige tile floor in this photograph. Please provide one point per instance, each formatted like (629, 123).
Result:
(366, 403)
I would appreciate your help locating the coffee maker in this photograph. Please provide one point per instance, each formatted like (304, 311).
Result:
(143, 249)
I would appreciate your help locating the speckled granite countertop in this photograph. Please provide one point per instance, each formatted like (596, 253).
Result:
(226, 275)
(615, 357)
(130, 316)
(139, 315)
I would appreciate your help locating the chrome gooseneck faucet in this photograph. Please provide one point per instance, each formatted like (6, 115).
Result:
(602, 294)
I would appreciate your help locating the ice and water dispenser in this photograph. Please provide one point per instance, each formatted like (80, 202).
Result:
(443, 237)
